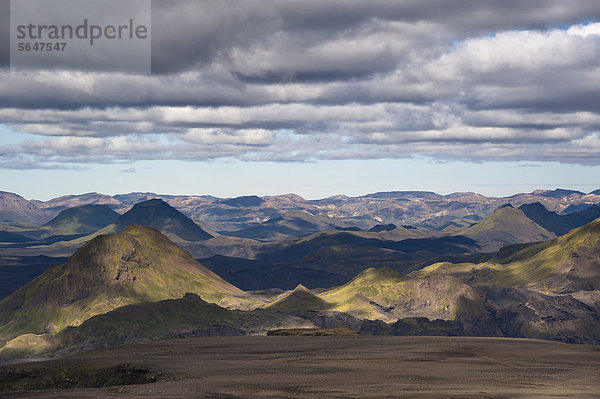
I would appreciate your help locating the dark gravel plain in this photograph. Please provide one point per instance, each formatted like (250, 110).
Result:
(340, 367)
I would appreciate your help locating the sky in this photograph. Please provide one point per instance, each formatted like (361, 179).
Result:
(321, 98)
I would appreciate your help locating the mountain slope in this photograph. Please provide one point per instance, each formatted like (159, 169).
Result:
(559, 224)
(138, 265)
(16, 209)
(387, 295)
(506, 225)
(290, 223)
(161, 216)
(301, 298)
(83, 219)
(565, 264)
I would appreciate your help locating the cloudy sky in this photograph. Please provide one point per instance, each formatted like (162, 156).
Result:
(321, 98)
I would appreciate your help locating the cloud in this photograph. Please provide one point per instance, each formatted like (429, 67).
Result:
(284, 81)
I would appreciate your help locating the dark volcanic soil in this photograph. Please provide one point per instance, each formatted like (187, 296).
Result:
(345, 367)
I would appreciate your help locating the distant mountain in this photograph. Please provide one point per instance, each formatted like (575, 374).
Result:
(576, 208)
(137, 265)
(506, 225)
(333, 257)
(352, 228)
(596, 192)
(558, 193)
(161, 216)
(133, 198)
(55, 205)
(245, 201)
(347, 242)
(404, 194)
(16, 209)
(415, 208)
(559, 224)
(566, 264)
(382, 227)
(83, 219)
(291, 223)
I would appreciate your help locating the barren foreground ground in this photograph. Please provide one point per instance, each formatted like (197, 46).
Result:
(345, 367)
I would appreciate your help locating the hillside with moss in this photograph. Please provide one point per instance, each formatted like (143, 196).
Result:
(384, 294)
(138, 265)
(565, 264)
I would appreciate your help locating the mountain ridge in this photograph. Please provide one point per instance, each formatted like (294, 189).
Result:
(399, 208)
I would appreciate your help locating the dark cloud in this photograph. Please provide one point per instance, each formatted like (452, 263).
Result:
(297, 81)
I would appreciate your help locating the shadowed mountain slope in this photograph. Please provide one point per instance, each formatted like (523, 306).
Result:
(8, 237)
(559, 224)
(161, 216)
(382, 227)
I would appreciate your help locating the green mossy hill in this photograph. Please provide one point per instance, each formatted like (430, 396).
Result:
(565, 264)
(185, 316)
(384, 294)
(506, 225)
(138, 265)
(83, 219)
(300, 299)
(159, 215)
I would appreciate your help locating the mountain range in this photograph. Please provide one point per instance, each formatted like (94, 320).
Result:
(413, 208)
(139, 285)
(130, 277)
(330, 256)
